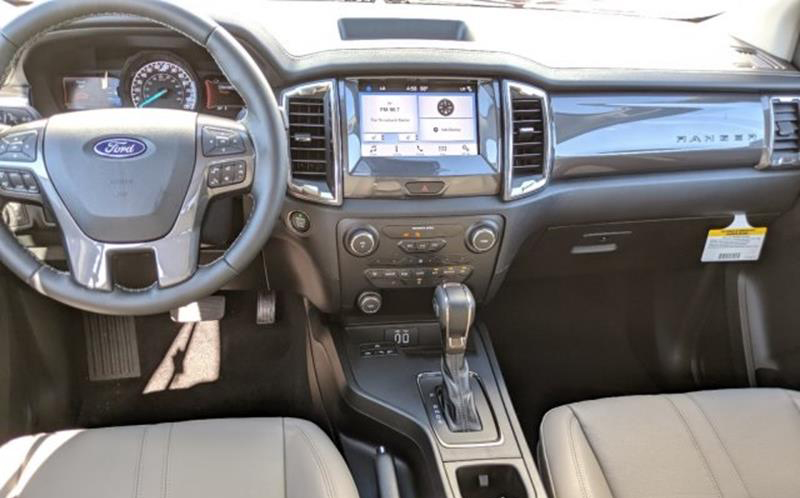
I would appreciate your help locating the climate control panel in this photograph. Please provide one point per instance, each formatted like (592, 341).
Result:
(407, 254)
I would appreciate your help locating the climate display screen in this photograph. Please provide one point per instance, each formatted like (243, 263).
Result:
(415, 119)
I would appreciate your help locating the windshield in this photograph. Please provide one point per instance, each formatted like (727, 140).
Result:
(685, 10)
(689, 10)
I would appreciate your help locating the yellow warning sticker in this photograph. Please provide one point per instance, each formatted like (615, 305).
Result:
(737, 242)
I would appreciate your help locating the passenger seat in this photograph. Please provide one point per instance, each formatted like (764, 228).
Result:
(711, 444)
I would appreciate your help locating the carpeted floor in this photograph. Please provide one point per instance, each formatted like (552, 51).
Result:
(231, 368)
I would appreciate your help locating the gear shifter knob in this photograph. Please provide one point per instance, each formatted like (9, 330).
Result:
(454, 305)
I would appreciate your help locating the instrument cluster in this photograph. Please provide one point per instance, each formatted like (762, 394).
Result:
(158, 79)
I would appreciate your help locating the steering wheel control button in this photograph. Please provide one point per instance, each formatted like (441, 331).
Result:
(18, 182)
(222, 142)
(299, 221)
(19, 146)
(482, 238)
(11, 116)
(369, 302)
(226, 174)
(30, 183)
(424, 188)
(361, 242)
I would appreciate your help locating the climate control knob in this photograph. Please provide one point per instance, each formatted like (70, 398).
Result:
(482, 237)
(361, 242)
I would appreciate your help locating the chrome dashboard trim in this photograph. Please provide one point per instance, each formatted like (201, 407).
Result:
(310, 190)
(612, 134)
(514, 188)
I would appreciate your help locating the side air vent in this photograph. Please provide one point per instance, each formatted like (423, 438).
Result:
(309, 137)
(311, 115)
(785, 131)
(527, 139)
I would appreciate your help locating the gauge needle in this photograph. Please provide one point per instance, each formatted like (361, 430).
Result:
(149, 100)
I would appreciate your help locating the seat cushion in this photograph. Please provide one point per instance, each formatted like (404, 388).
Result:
(264, 458)
(712, 444)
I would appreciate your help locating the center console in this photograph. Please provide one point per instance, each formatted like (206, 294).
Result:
(415, 378)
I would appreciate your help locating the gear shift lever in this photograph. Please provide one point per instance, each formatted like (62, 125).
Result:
(454, 305)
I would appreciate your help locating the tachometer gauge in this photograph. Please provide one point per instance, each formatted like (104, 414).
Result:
(160, 80)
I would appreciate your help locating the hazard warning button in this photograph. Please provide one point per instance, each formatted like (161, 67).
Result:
(425, 188)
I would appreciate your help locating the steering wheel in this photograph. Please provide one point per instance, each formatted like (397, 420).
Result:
(134, 180)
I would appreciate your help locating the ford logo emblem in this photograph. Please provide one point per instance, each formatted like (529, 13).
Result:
(120, 148)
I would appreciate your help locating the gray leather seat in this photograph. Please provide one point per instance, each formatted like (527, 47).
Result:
(263, 458)
(712, 444)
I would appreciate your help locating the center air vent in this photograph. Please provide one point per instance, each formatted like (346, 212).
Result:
(310, 112)
(527, 138)
(785, 132)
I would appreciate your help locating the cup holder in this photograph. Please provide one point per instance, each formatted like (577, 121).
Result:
(490, 481)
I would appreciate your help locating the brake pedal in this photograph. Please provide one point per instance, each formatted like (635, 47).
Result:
(208, 309)
(111, 348)
(265, 307)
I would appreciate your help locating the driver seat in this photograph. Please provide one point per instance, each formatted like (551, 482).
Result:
(232, 458)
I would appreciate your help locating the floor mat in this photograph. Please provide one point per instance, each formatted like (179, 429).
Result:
(230, 368)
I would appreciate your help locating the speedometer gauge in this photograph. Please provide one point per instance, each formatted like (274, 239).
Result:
(161, 80)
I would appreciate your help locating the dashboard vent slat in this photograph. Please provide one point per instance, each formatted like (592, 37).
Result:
(527, 124)
(786, 132)
(309, 137)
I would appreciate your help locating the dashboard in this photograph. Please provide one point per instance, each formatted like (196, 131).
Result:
(434, 159)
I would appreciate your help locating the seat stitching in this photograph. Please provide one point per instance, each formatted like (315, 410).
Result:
(138, 475)
(706, 465)
(594, 453)
(13, 480)
(283, 435)
(721, 442)
(552, 484)
(793, 401)
(320, 463)
(165, 464)
(578, 469)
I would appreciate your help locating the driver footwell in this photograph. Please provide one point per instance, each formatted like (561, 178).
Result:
(227, 368)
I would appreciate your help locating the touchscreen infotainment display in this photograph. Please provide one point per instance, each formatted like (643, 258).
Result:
(407, 120)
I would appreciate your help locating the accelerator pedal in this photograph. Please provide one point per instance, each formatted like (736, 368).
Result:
(111, 348)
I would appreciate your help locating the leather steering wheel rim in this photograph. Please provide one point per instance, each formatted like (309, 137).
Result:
(263, 122)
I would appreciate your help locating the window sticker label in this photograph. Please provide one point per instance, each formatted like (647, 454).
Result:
(738, 242)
